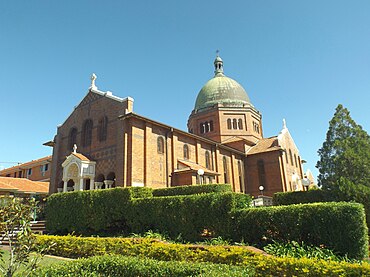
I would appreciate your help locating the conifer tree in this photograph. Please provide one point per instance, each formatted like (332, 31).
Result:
(345, 155)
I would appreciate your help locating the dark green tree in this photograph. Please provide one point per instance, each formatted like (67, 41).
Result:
(345, 154)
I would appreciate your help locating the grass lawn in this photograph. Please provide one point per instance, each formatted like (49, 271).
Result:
(45, 261)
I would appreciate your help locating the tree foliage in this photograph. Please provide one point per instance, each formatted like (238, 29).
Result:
(345, 154)
(15, 227)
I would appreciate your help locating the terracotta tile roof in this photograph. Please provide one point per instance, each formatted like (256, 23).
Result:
(26, 165)
(265, 145)
(23, 185)
(81, 157)
(194, 167)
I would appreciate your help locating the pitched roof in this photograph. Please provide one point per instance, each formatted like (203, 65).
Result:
(81, 157)
(26, 165)
(265, 145)
(188, 165)
(23, 185)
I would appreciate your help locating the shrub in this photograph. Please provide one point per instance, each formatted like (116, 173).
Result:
(194, 189)
(300, 250)
(133, 266)
(259, 264)
(188, 216)
(345, 192)
(77, 247)
(337, 226)
(87, 212)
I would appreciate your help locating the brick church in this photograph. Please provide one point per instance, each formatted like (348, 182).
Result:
(103, 143)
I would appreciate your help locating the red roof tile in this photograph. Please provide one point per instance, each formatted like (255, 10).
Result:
(265, 145)
(23, 185)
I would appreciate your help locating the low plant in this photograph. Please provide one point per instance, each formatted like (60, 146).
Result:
(300, 250)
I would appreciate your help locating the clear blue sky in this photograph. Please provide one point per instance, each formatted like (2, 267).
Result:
(296, 59)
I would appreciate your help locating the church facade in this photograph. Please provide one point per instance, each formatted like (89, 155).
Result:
(104, 143)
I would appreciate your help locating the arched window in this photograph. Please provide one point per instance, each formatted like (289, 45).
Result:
(186, 152)
(229, 123)
(72, 138)
(235, 124)
(226, 171)
(201, 126)
(160, 145)
(208, 160)
(295, 160)
(103, 128)
(240, 124)
(206, 127)
(87, 133)
(241, 178)
(291, 157)
(261, 173)
(211, 125)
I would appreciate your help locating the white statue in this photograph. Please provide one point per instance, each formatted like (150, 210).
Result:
(93, 78)
(75, 148)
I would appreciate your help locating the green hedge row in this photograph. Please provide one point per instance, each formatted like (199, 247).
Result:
(191, 215)
(119, 211)
(89, 212)
(194, 189)
(345, 192)
(112, 266)
(338, 226)
(250, 263)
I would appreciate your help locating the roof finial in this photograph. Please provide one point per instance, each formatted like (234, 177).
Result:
(93, 78)
(284, 124)
(75, 148)
(219, 70)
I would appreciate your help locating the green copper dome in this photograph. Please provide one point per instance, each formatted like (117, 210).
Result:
(221, 90)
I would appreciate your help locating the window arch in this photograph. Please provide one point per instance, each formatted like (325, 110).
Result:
(103, 128)
(160, 145)
(229, 124)
(240, 124)
(201, 126)
(72, 138)
(208, 160)
(226, 170)
(186, 152)
(261, 173)
(87, 133)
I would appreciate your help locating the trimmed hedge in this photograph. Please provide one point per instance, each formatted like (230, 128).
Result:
(359, 194)
(90, 212)
(258, 264)
(187, 216)
(120, 211)
(338, 226)
(132, 266)
(194, 189)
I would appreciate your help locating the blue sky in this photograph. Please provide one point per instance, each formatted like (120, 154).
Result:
(296, 59)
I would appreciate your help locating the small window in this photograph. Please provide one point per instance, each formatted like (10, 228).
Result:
(160, 145)
(229, 123)
(20, 174)
(72, 140)
(208, 160)
(103, 128)
(29, 172)
(186, 152)
(46, 167)
(286, 156)
(87, 133)
(240, 124)
(235, 124)
(211, 125)
(291, 157)
(226, 170)
(295, 160)
(241, 178)
(201, 127)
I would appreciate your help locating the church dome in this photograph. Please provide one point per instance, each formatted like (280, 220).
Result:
(221, 90)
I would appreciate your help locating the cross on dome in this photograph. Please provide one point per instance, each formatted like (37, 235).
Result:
(93, 78)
